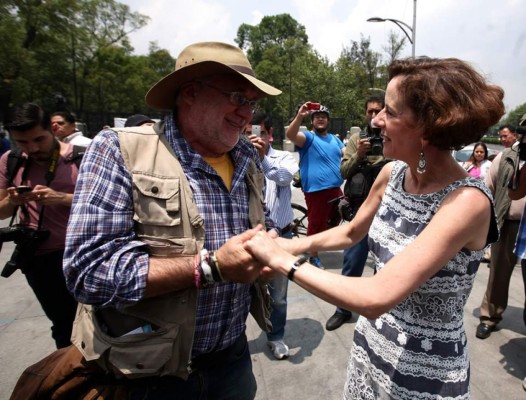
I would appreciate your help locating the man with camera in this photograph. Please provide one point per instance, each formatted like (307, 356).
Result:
(36, 186)
(509, 213)
(362, 161)
(517, 190)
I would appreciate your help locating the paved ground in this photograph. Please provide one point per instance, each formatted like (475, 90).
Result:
(316, 368)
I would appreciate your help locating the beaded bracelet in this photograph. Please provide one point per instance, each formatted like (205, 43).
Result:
(197, 272)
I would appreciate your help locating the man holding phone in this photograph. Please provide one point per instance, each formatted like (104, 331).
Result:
(320, 156)
(39, 192)
(279, 168)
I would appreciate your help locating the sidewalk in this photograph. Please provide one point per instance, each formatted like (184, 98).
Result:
(317, 366)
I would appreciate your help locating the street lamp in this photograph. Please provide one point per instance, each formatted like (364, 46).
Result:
(401, 24)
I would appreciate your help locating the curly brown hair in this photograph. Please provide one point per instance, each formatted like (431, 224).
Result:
(450, 99)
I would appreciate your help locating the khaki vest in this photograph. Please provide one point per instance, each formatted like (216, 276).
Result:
(167, 220)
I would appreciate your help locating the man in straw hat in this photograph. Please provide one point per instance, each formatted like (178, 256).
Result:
(148, 247)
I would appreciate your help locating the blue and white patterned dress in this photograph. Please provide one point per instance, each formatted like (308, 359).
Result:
(418, 349)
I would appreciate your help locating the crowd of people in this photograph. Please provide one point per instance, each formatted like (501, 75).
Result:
(151, 252)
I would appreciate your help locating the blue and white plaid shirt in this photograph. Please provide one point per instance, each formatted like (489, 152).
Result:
(105, 266)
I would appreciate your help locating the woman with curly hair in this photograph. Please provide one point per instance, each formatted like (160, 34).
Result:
(428, 222)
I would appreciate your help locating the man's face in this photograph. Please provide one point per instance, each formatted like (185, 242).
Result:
(373, 109)
(37, 143)
(265, 135)
(507, 138)
(212, 121)
(320, 122)
(61, 128)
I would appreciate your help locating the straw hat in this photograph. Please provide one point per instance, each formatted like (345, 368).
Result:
(199, 60)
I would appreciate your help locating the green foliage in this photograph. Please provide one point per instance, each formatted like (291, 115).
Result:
(79, 50)
(514, 117)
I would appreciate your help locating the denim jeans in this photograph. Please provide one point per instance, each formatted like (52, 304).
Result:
(233, 380)
(354, 259)
(278, 289)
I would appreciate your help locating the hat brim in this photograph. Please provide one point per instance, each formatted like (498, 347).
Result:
(162, 95)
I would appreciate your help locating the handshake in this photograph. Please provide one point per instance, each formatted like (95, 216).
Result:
(254, 254)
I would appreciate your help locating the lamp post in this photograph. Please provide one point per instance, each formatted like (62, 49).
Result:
(401, 25)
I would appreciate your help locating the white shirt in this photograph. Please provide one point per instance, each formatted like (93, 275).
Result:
(279, 168)
(77, 139)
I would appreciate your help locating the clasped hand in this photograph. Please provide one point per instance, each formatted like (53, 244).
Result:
(41, 194)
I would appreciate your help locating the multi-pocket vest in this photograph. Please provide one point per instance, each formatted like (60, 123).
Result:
(155, 335)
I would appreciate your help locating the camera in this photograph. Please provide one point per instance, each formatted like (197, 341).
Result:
(27, 240)
(521, 133)
(377, 143)
(313, 106)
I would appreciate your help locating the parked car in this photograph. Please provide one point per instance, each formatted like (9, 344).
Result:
(464, 153)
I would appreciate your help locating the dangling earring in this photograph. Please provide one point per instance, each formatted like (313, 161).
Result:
(421, 163)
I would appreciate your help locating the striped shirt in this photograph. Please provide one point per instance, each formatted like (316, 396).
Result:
(279, 168)
(105, 266)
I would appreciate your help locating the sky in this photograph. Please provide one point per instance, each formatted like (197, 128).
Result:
(489, 34)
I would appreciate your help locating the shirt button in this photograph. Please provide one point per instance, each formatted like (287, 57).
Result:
(155, 190)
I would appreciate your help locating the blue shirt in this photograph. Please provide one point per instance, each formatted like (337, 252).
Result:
(520, 244)
(320, 159)
(103, 263)
(279, 168)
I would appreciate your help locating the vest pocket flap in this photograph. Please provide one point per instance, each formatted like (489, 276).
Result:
(157, 200)
(142, 353)
(157, 187)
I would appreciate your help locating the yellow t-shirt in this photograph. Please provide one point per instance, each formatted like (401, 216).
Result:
(224, 167)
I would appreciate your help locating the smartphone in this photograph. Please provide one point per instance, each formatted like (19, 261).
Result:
(313, 106)
(256, 130)
(23, 189)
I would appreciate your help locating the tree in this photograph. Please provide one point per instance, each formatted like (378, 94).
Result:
(394, 47)
(55, 45)
(514, 116)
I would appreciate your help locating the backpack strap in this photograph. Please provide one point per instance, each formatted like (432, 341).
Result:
(76, 156)
(15, 160)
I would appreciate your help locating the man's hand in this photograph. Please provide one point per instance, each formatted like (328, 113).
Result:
(363, 146)
(259, 144)
(46, 196)
(235, 263)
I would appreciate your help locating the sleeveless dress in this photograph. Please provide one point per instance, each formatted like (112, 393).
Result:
(418, 349)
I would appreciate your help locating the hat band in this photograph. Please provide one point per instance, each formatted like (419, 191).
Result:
(243, 70)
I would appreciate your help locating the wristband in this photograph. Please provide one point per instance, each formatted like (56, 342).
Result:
(197, 272)
(214, 265)
(207, 270)
(298, 263)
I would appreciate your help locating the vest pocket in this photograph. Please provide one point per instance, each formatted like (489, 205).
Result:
(156, 200)
(133, 354)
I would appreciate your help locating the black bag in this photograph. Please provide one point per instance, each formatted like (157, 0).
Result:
(357, 189)
(296, 180)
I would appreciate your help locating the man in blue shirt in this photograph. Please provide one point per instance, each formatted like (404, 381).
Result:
(320, 155)
(516, 193)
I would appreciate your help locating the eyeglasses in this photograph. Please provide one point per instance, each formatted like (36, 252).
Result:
(236, 98)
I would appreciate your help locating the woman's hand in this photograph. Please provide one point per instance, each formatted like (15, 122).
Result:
(266, 250)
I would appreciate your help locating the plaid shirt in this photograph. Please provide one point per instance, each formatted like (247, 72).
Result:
(103, 263)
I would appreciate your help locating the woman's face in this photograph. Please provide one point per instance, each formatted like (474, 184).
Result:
(479, 153)
(398, 123)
